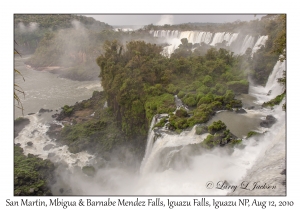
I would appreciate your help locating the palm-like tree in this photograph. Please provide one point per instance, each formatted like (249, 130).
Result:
(17, 89)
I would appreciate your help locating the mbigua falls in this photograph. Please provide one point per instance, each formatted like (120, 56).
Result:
(163, 109)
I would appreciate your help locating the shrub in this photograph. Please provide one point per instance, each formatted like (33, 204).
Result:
(181, 113)
(216, 126)
(67, 110)
(181, 94)
(172, 89)
(238, 87)
(190, 101)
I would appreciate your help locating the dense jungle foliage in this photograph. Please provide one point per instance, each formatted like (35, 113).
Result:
(140, 82)
(32, 175)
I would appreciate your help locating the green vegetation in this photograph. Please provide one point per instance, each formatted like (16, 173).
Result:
(161, 123)
(251, 133)
(67, 110)
(58, 21)
(32, 175)
(274, 101)
(265, 58)
(96, 134)
(140, 83)
(219, 136)
(99, 133)
(252, 27)
(216, 127)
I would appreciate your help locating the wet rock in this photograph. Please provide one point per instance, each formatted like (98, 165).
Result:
(51, 154)
(55, 115)
(31, 113)
(30, 155)
(61, 190)
(240, 111)
(89, 170)
(19, 124)
(18, 144)
(29, 143)
(44, 110)
(268, 122)
(33, 132)
(54, 131)
(269, 93)
(48, 147)
(251, 107)
(283, 172)
(173, 157)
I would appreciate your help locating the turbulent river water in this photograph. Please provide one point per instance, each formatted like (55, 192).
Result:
(168, 168)
(48, 91)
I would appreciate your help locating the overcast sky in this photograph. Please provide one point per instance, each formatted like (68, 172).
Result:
(170, 19)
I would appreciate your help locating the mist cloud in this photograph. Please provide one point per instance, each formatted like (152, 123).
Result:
(30, 28)
(166, 19)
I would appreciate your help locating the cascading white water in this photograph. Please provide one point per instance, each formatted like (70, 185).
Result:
(247, 43)
(270, 162)
(244, 165)
(260, 42)
(150, 140)
(171, 141)
(232, 39)
(272, 88)
(35, 132)
(173, 37)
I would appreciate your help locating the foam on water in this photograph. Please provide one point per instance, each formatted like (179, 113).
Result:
(35, 132)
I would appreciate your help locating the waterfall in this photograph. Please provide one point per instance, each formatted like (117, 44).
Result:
(247, 43)
(260, 42)
(232, 39)
(236, 42)
(152, 163)
(272, 88)
(270, 162)
(175, 164)
(150, 140)
(173, 167)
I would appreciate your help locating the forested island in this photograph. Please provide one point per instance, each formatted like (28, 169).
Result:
(139, 84)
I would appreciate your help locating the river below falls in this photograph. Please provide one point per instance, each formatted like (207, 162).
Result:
(46, 90)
